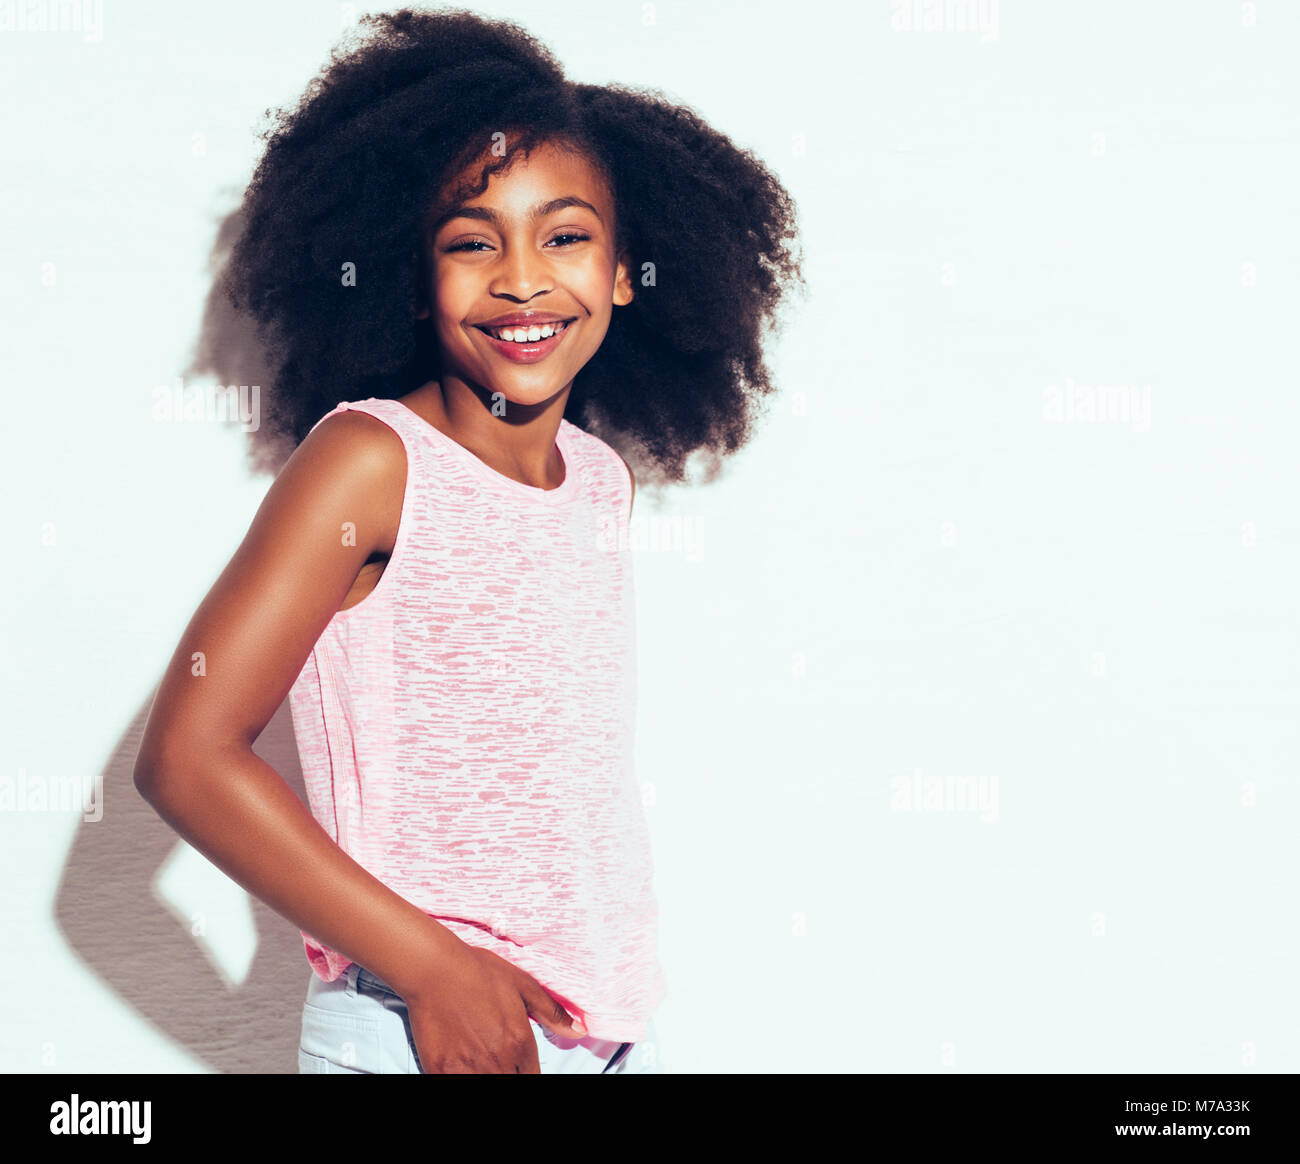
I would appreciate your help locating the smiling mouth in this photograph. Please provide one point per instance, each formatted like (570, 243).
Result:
(526, 343)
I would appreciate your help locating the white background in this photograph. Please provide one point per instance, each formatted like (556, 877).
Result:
(916, 576)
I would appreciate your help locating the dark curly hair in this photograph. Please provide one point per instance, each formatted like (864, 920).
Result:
(351, 173)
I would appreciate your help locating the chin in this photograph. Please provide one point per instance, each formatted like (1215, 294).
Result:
(514, 394)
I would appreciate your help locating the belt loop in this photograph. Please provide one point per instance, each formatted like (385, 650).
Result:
(351, 975)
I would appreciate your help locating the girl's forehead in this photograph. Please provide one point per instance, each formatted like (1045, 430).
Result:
(548, 171)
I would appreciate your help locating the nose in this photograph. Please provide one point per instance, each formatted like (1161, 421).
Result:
(520, 274)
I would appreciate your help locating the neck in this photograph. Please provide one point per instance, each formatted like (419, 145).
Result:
(517, 440)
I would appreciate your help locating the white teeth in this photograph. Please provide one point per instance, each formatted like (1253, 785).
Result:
(525, 335)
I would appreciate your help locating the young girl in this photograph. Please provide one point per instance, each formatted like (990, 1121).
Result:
(465, 265)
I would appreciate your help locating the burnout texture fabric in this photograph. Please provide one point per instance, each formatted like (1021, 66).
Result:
(466, 730)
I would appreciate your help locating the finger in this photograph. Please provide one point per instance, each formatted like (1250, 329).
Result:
(552, 1015)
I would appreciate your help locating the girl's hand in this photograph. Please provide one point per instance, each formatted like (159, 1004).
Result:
(473, 1017)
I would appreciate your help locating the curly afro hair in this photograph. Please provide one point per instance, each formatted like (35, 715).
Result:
(350, 174)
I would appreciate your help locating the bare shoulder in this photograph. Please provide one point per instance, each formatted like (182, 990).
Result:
(349, 439)
(350, 461)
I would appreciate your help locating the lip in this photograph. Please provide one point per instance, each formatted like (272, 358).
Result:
(525, 317)
(525, 353)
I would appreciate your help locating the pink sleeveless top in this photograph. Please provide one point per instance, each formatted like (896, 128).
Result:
(466, 729)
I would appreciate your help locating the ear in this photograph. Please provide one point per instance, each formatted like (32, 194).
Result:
(623, 281)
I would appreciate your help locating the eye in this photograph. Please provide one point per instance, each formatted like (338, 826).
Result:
(567, 238)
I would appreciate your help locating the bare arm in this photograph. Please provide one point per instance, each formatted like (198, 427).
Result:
(197, 767)
(255, 628)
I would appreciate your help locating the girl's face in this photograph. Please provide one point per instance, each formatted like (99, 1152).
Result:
(537, 245)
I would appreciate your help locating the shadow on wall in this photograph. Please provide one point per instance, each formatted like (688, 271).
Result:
(106, 907)
(107, 910)
(229, 351)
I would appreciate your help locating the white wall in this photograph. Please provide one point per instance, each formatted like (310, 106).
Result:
(916, 576)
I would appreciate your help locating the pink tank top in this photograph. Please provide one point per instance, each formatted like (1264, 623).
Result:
(466, 729)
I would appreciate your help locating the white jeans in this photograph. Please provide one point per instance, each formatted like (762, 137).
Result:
(357, 1025)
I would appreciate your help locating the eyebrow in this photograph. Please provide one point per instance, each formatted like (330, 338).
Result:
(487, 214)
